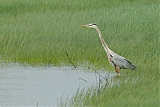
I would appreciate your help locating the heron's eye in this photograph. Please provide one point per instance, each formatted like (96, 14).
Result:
(94, 24)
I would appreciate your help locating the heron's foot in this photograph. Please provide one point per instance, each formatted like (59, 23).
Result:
(118, 75)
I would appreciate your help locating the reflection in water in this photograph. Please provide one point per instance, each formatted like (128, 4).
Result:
(26, 85)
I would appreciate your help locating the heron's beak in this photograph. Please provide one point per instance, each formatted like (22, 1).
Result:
(83, 25)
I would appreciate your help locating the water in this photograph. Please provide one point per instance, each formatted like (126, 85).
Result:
(27, 86)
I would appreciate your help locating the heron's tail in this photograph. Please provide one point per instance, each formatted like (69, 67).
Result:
(131, 66)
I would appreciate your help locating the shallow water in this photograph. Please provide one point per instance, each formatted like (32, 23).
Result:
(27, 86)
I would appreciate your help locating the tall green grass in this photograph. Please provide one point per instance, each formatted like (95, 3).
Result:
(40, 31)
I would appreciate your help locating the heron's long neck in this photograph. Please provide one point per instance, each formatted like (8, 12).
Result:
(103, 42)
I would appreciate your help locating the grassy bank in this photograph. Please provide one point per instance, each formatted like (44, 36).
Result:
(39, 32)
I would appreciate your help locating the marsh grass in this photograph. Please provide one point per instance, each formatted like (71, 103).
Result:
(39, 32)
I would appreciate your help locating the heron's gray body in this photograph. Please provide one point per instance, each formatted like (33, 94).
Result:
(122, 62)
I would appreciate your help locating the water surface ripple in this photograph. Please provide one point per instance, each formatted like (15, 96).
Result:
(27, 86)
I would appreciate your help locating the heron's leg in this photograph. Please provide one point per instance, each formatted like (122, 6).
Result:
(117, 69)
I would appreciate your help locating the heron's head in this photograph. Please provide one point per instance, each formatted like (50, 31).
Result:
(92, 25)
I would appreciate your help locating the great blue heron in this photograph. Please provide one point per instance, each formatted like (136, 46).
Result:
(116, 60)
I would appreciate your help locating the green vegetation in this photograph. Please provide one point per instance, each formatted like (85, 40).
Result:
(40, 31)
